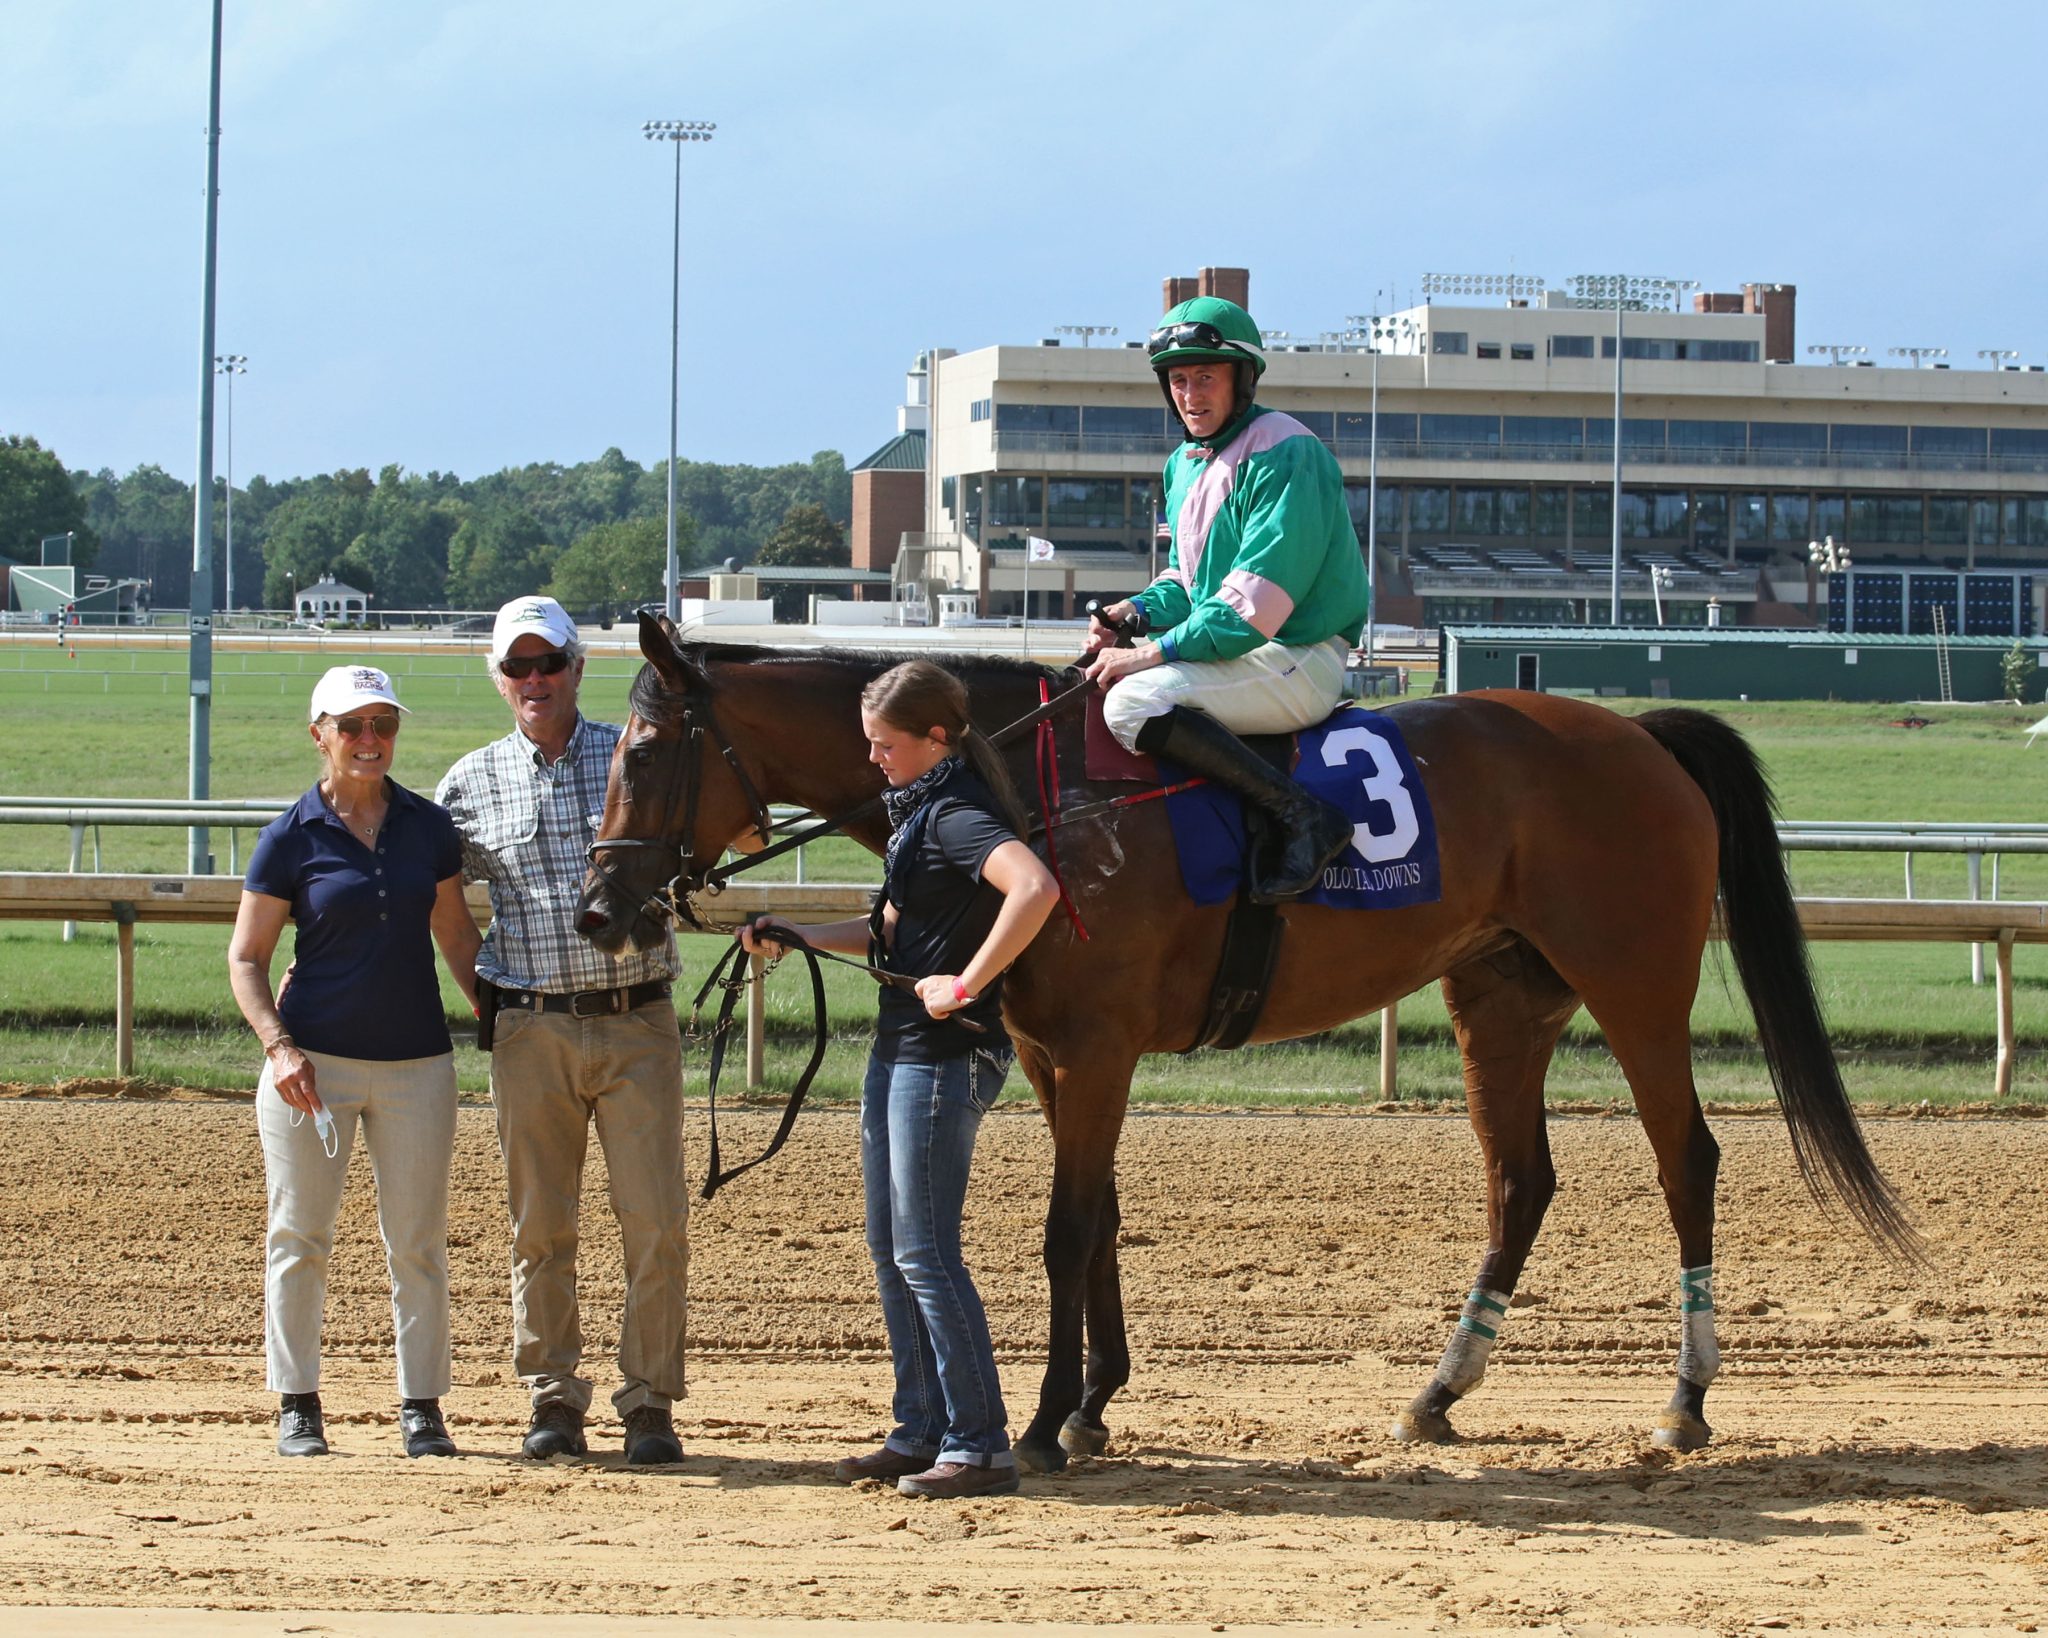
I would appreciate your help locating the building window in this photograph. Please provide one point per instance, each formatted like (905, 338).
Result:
(1653, 347)
(2020, 449)
(1710, 443)
(1789, 443)
(1571, 346)
(1792, 518)
(1447, 341)
(979, 409)
(1948, 522)
(1488, 349)
(1084, 504)
(1547, 513)
(1538, 437)
(1752, 517)
(1638, 436)
(949, 489)
(1719, 352)
(1522, 352)
(1064, 418)
(1475, 512)
(1323, 423)
(1869, 446)
(1429, 509)
(1016, 501)
(1108, 429)
(1710, 518)
(1511, 517)
(1470, 430)
(1592, 514)
(1830, 517)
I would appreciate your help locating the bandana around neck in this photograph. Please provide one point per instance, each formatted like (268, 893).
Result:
(904, 801)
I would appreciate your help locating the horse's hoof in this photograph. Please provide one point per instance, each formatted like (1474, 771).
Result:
(1681, 1430)
(1080, 1437)
(1413, 1427)
(1033, 1458)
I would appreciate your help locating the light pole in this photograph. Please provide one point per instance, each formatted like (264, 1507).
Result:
(199, 618)
(1830, 558)
(1997, 357)
(1623, 292)
(1917, 353)
(1837, 354)
(677, 131)
(1087, 332)
(1378, 332)
(230, 365)
(1660, 583)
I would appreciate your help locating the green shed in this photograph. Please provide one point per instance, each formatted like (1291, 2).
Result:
(1726, 663)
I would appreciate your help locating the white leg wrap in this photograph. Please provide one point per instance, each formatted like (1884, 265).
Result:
(1464, 1361)
(1699, 1354)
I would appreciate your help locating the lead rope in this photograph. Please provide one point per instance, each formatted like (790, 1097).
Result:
(732, 982)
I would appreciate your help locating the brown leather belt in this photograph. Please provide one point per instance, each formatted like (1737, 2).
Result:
(588, 1003)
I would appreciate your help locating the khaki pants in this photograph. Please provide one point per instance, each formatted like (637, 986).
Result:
(551, 1075)
(406, 1110)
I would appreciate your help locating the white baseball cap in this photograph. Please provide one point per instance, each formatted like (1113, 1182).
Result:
(531, 617)
(347, 686)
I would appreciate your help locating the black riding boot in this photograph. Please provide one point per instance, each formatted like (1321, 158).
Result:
(1312, 832)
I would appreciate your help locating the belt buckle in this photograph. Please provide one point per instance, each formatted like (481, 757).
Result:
(608, 1003)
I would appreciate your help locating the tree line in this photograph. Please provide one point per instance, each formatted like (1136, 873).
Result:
(593, 535)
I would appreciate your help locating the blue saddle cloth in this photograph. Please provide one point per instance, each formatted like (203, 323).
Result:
(1357, 761)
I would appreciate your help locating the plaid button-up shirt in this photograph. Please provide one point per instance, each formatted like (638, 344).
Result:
(526, 826)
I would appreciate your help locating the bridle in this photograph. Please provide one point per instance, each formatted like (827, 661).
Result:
(696, 719)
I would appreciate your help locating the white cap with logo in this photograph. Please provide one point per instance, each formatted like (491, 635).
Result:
(347, 686)
(531, 617)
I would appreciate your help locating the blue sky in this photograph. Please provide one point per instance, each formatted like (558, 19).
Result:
(444, 242)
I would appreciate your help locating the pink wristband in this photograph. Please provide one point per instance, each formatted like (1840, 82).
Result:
(960, 993)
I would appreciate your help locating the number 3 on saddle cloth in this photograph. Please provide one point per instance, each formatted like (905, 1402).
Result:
(1354, 759)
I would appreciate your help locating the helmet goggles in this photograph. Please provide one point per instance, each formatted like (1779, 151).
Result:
(1192, 335)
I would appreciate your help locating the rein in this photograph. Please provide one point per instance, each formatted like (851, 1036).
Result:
(730, 971)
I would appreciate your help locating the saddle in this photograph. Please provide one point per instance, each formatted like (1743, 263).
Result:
(1355, 759)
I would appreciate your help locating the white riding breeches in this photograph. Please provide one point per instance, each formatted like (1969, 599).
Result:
(1271, 690)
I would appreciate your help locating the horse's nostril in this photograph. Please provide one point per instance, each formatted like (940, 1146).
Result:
(592, 920)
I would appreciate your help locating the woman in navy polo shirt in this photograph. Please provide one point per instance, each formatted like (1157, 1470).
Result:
(962, 898)
(371, 877)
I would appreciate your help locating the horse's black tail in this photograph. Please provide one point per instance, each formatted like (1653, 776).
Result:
(1763, 931)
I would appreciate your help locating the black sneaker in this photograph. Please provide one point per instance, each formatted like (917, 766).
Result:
(301, 1431)
(419, 1420)
(556, 1430)
(651, 1438)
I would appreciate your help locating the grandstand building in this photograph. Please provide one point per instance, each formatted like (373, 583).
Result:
(1495, 437)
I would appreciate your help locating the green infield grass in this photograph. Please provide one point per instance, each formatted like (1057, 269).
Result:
(110, 723)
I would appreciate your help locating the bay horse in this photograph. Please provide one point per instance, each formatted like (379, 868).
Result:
(1581, 852)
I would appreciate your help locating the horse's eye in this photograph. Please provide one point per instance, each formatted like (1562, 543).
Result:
(639, 755)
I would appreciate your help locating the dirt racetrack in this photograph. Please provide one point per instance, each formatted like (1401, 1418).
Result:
(1881, 1461)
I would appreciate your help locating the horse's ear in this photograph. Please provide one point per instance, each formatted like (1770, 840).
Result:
(662, 645)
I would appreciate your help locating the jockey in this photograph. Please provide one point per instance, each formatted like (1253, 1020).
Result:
(1263, 598)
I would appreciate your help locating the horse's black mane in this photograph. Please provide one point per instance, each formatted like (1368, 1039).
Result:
(653, 704)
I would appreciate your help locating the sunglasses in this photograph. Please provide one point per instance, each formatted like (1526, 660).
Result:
(384, 727)
(1196, 333)
(546, 664)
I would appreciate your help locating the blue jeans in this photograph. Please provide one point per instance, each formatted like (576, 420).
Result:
(917, 1128)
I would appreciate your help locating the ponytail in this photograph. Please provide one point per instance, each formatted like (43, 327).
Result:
(918, 697)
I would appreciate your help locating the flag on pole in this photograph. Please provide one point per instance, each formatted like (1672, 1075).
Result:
(1037, 549)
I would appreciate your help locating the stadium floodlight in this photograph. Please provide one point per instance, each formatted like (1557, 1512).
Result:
(1269, 337)
(679, 132)
(1917, 353)
(1661, 575)
(1836, 354)
(1828, 556)
(1087, 332)
(1999, 357)
(1512, 286)
(1625, 293)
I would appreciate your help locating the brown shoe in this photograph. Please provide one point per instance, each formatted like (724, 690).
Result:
(882, 1464)
(947, 1480)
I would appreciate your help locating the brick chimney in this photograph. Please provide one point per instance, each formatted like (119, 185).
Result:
(1179, 290)
(1718, 301)
(1777, 303)
(1231, 283)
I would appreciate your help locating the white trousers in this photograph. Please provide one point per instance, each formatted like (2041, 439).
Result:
(406, 1109)
(1271, 690)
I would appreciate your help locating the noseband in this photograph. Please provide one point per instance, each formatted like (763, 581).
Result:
(698, 719)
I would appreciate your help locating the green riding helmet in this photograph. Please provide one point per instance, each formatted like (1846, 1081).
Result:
(1208, 327)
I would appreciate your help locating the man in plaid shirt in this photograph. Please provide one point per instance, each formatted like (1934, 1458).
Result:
(580, 1035)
